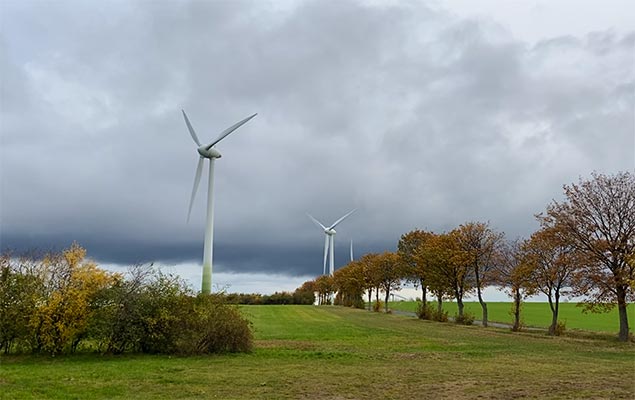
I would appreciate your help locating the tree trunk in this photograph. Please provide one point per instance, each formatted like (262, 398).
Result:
(423, 293)
(621, 308)
(439, 304)
(516, 310)
(370, 299)
(387, 296)
(459, 303)
(480, 297)
(554, 312)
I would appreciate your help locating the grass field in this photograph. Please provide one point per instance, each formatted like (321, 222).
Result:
(308, 352)
(536, 314)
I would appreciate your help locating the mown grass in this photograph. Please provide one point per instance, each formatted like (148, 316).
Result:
(536, 314)
(307, 352)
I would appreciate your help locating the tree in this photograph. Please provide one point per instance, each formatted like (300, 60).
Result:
(389, 272)
(72, 286)
(305, 294)
(354, 285)
(428, 254)
(324, 288)
(479, 243)
(370, 272)
(20, 292)
(449, 270)
(415, 267)
(552, 262)
(598, 218)
(512, 273)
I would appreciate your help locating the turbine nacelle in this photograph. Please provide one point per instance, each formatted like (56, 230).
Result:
(208, 152)
(330, 232)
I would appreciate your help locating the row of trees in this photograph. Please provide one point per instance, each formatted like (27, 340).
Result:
(585, 247)
(53, 304)
(300, 296)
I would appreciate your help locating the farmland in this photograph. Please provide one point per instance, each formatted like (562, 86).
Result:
(340, 353)
(535, 314)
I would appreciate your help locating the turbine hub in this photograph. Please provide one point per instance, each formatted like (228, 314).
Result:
(330, 232)
(208, 153)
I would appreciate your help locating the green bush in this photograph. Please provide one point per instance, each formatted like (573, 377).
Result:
(560, 328)
(214, 327)
(55, 303)
(440, 316)
(423, 312)
(466, 319)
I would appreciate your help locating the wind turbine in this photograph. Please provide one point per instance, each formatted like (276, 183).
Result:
(208, 151)
(329, 240)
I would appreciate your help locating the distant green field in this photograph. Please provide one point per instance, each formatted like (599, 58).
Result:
(537, 314)
(310, 352)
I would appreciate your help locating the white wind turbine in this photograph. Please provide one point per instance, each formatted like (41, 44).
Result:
(208, 151)
(329, 239)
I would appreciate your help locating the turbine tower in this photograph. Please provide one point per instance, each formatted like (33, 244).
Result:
(329, 239)
(208, 151)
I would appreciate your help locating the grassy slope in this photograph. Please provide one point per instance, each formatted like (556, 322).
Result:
(537, 314)
(337, 353)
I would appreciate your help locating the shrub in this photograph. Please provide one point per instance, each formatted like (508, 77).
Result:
(53, 304)
(560, 328)
(440, 316)
(214, 327)
(466, 319)
(377, 305)
(423, 312)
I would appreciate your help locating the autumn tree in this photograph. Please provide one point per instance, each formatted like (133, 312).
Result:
(72, 285)
(479, 244)
(513, 273)
(389, 272)
(415, 267)
(428, 253)
(350, 285)
(325, 289)
(597, 217)
(449, 270)
(305, 294)
(370, 272)
(552, 263)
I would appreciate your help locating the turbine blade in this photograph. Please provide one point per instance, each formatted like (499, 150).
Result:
(197, 179)
(189, 127)
(342, 219)
(326, 251)
(230, 130)
(316, 222)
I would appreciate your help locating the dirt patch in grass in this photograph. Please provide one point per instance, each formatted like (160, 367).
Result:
(285, 344)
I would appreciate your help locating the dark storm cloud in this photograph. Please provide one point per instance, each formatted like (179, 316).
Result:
(416, 117)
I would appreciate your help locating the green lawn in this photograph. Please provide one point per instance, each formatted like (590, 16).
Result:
(537, 314)
(309, 352)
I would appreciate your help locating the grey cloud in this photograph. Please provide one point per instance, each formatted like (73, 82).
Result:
(417, 117)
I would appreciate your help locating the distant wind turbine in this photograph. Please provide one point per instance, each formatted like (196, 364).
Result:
(352, 259)
(208, 151)
(329, 240)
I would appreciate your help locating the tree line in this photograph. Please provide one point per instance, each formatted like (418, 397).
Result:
(59, 302)
(585, 246)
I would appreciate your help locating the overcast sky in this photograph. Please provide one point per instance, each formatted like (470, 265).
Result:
(420, 114)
